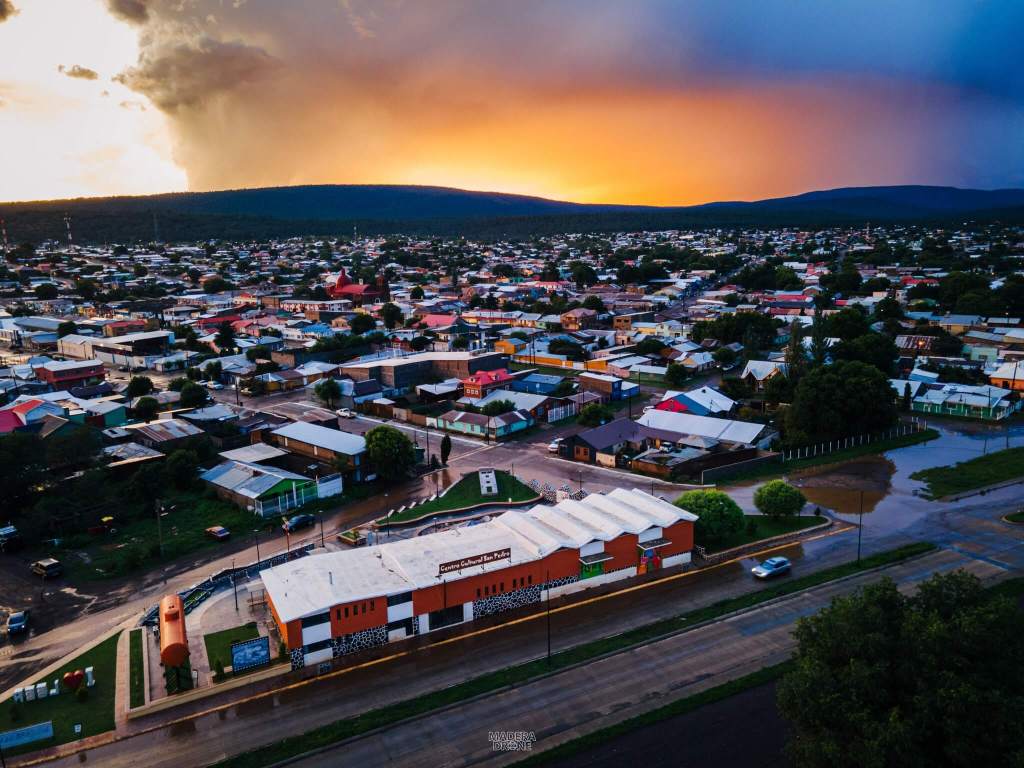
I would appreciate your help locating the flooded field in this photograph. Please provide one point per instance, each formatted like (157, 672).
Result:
(883, 482)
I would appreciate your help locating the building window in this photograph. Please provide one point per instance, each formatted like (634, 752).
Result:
(346, 611)
(503, 586)
(478, 593)
(371, 604)
(404, 597)
(487, 590)
(529, 579)
(339, 614)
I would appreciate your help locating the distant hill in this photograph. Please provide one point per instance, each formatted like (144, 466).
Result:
(335, 209)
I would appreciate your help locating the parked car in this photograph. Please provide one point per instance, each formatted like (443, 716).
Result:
(17, 623)
(124, 368)
(138, 369)
(216, 385)
(48, 568)
(218, 532)
(555, 445)
(345, 413)
(297, 523)
(773, 566)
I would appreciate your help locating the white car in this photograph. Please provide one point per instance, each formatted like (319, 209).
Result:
(345, 413)
(554, 445)
(216, 385)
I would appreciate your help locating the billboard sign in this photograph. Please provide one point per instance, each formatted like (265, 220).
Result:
(250, 653)
(474, 560)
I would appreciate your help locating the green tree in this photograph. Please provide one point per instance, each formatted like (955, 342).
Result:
(181, 468)
(719, 517)
(78, 448)
(139, 386)
(582, 274)
(779, 499)
(361, 323)
(390, 315)
(650, 346)
(595, 414)
(844, 399)
(819, 340)
(872, 348)
(177, 383)
(883, 679)
(446, 449)
(225, 338)
(416, 294)
(725, 356)
(796, 355)
(86, 289)
(215, 284)
(146, 408)
(849, 324)
(66, 328)
(192, 395)
(390, 452)
(594, 303)
(906, 404)
(676, 374)
(498, 407)
(46, 291)
(328, 390)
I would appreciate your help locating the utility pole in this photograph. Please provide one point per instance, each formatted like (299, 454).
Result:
(256, 535)
(321, 516)
(234, 587)
(860, 526)
(160, 527)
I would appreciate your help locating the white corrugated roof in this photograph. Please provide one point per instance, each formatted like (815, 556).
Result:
(702, 426)
(323, 437)
(314, 584)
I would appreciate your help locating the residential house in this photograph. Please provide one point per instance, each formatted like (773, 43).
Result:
(704, 401)
(479, 384)
(488, 427)
(331, 447)
(268, 491)
(757, 372)
(1009, 375)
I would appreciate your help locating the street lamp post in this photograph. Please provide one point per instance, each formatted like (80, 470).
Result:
(234, 587)
(256, 535)
(321, 516)
(547, 585)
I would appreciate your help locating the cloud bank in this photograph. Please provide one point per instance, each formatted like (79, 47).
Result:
(591, 100)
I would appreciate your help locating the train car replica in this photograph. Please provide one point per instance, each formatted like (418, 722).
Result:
(173, 640)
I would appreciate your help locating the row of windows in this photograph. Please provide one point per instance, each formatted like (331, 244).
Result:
(355, 609)
(499, 588)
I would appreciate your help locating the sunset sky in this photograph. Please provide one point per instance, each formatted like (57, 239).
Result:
(587, 100)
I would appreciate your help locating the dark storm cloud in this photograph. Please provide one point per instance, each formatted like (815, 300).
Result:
(134, 11)
(7, 10)
(185, 74)
(79, 72)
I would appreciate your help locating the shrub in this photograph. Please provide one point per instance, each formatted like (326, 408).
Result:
(718, 516)
(779, 499)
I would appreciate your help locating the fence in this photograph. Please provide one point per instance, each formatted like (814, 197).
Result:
(299, 495)
(197, 593)
(831, 446)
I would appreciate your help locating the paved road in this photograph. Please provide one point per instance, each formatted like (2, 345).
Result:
(219, 731)
(580, 700)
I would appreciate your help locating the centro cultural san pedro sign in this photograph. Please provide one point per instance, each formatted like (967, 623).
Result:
(473, 560)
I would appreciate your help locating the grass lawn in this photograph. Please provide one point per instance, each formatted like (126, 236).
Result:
(465, 493)
(135, 546)
(764, 528)
(781, 468)
(136, 677)
(977, 473)
(377, 718)
(218, 644)
(95, 714)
